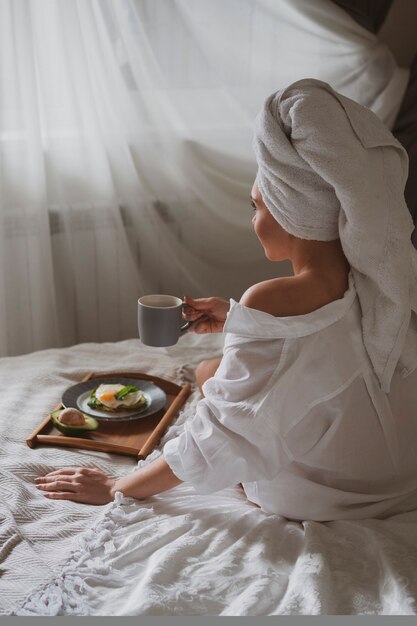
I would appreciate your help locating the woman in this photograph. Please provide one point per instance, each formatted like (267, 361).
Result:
(313, 405)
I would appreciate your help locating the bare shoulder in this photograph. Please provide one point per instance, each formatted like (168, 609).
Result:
(293, 295)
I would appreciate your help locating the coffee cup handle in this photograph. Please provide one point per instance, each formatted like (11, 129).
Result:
(187, 325)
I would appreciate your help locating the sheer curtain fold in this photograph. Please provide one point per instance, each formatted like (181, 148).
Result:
(125, 148)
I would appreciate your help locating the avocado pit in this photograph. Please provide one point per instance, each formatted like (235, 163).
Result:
(71, 417)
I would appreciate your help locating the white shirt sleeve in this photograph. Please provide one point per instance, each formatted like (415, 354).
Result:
(228, 441)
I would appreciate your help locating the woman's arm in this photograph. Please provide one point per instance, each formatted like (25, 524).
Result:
(93, 486)
(148, 481)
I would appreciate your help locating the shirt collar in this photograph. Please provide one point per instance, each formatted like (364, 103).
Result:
(246, 322)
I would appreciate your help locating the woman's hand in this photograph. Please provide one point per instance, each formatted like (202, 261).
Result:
(92, 486)
(79, 484)
(209, 313)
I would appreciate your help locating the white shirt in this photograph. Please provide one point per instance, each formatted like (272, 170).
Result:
(295, 413)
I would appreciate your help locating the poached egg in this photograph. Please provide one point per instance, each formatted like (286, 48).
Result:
(106, 395)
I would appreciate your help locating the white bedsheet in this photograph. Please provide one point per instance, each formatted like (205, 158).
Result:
(178, 553)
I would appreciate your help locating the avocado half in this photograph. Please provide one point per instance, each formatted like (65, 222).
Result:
(79, 429)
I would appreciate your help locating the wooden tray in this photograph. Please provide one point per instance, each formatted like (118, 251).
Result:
(135, 438)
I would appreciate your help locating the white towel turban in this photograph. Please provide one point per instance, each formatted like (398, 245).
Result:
(329, 168)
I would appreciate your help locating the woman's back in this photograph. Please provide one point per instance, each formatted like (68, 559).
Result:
(350, 446)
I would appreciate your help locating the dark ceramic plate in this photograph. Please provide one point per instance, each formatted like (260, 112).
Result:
(77, 396)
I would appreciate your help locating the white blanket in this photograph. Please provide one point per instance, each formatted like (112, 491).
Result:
(178, 553)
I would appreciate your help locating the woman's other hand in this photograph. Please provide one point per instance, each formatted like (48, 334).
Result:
(208, 314)
(80, 484)
(92, 486)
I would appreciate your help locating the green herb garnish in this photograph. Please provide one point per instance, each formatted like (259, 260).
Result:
(125, 391)
(92, 401)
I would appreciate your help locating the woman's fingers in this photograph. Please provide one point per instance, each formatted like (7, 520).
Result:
(192, 309)
(58, 485)
(50, 479)
(64, 495)
(63, 471)
(70, 471)
(196, 303)
(191, 314)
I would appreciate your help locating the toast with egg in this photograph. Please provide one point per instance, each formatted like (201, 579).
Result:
(115, 397)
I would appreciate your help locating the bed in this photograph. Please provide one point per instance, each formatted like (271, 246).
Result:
(178, 553)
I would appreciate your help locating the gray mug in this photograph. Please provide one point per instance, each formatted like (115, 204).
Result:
(160, 322)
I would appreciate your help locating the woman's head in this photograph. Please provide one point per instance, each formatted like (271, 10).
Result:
(287, 140)
(280, 245)
(276, 241)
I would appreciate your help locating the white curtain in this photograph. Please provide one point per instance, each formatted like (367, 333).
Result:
(125, 148)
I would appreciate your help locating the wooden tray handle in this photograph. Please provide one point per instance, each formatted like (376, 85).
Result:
(87, 444)
(156, 435)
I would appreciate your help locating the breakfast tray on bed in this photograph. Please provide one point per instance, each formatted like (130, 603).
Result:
(132, 438)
